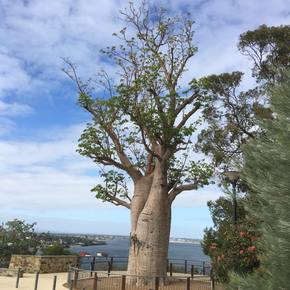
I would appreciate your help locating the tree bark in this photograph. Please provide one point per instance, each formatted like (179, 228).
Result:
(150, 230)
(141, 193)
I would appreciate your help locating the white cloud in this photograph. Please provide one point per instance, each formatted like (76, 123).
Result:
(45, 188)
(198, 198)
(6, 126)
(48, 175)
(14, 109)
(35, 34)
(12, 76)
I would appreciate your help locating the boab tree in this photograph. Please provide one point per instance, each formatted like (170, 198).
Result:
(142, 127)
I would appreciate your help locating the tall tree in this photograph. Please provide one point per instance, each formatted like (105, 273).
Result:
(231, 112)
(230, 116)
(268, 48)
(142, 127)
(266, 169)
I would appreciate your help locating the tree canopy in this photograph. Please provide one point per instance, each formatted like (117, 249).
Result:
(222, 216)
(268, 48)
(57, 250)
(231, 112)
(18, 237)
(146, 116)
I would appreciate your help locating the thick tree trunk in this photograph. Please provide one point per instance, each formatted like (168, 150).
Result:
(141, 193)
(150, 232)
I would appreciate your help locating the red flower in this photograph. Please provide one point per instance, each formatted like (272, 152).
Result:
(219, 258)
(242, 252)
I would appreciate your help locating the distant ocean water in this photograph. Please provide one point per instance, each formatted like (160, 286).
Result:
(120, 248)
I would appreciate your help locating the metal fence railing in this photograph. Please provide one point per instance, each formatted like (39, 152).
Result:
(190, 267)
(119, 280)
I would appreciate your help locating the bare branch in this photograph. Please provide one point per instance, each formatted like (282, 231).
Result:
(117, 201)
(181, 188)
(187, 116)
(185, 103)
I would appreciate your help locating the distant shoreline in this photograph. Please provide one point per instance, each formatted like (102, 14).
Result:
(179, 242)
(184, 242)
(74, 246)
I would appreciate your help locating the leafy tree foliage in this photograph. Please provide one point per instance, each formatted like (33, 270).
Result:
(140, 114)
(18, 237)
(266, 170)
(231, 112)
(142, 127)
(57, 250)
(230, 115)
(268, 48)
(222, 215)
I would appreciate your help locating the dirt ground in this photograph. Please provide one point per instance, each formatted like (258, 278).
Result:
(105, 283)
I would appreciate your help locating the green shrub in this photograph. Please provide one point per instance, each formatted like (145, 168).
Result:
(58, 250)
(238, 252)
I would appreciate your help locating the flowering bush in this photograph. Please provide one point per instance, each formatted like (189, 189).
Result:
(238, 252)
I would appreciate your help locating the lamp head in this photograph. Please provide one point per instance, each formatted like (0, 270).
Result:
(232, 175)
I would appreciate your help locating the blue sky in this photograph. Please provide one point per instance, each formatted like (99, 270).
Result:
(42, 178)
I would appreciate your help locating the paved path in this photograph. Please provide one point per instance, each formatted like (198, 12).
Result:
(27, 282)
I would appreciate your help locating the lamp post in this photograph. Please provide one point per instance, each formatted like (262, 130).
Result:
(233, 177)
